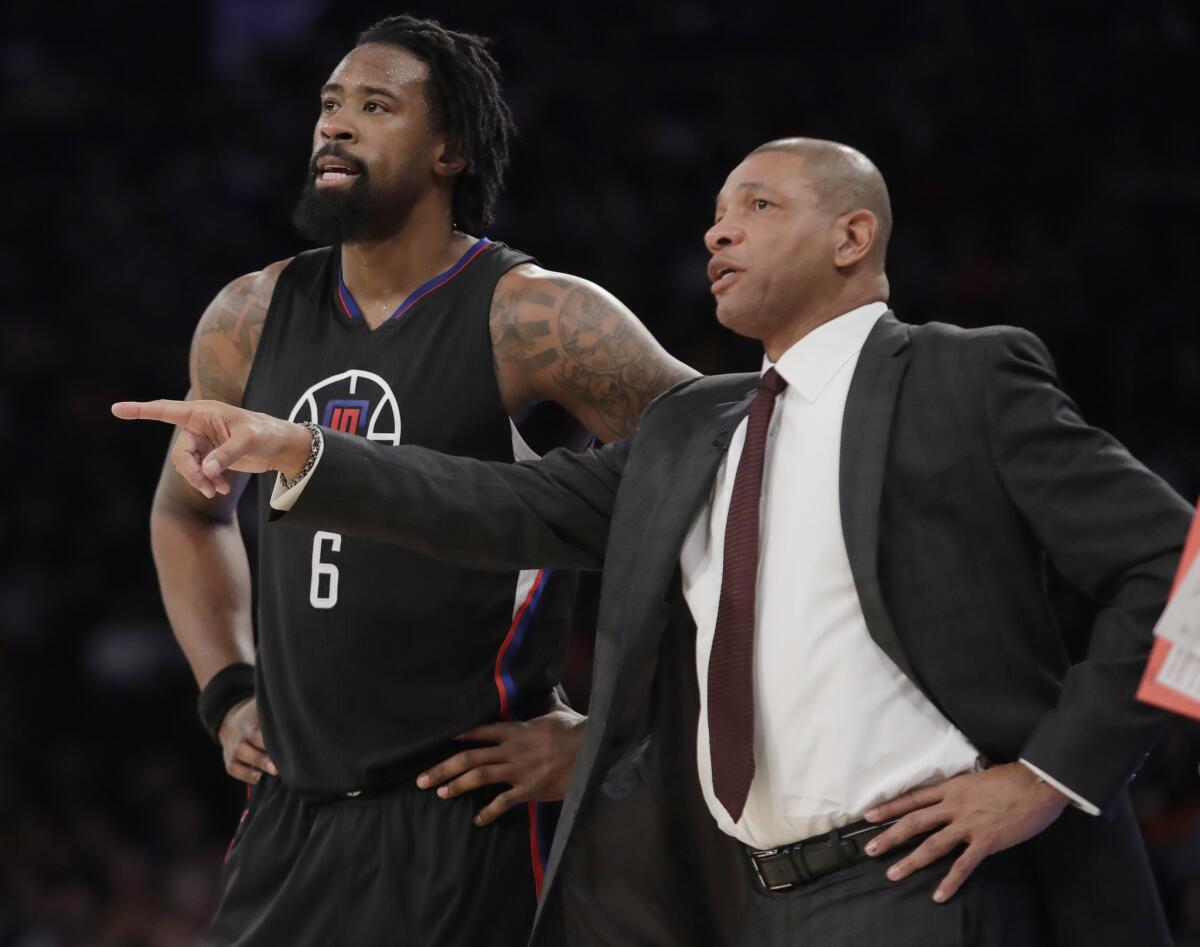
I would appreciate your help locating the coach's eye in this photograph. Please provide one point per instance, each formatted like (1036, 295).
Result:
(760, 204)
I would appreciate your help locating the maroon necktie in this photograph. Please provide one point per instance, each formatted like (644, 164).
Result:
(730, 664)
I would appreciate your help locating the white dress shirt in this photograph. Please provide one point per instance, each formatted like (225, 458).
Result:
(837, 726)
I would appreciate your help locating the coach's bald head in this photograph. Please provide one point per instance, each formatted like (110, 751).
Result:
(845, 180)
(800, 237)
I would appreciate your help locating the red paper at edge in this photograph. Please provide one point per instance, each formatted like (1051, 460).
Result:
(1151, 691)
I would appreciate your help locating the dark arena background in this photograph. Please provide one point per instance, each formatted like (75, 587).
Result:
(1044, 165)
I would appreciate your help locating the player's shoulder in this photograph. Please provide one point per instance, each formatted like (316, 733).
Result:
(227, 335)
(531, 279)
(529, 294)
(259, 283)
(245, 298)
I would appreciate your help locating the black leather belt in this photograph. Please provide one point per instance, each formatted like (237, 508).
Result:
(779, 869)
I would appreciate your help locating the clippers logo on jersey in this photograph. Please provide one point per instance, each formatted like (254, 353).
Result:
(356, 402)
(348, 416)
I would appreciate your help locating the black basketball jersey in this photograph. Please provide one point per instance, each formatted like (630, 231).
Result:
(370, 657)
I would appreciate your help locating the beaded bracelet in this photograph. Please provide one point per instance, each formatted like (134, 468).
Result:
(314, 452)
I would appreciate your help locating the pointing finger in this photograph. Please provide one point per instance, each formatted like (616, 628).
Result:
(173, 412)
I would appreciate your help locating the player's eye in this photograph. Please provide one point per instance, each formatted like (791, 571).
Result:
(374, 107)
(760, 204)
(328, 105)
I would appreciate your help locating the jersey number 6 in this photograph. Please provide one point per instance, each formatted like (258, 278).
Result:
(324, 569)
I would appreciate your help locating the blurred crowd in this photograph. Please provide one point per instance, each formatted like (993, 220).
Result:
(1044, 169)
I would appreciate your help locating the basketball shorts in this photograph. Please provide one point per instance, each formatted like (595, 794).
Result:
(397, 869)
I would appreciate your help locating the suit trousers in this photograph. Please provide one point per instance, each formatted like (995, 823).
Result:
(997, 907)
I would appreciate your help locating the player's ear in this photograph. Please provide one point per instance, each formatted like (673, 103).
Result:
(448, 161)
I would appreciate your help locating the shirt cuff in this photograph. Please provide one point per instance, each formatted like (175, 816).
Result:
(283, 499)
(1076, 800)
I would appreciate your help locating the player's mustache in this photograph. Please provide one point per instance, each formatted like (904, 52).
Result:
(334, 150)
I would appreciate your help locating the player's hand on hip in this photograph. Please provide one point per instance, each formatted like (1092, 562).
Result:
(242, 743)
(216, 437)
(534, 757)
(988, 812)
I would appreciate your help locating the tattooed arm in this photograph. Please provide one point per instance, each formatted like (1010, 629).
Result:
(560, 338)
(203, 572)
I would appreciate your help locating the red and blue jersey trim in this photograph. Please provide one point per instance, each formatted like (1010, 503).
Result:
(511, 646)
(506, 688)
(539, 845)
(351, 307)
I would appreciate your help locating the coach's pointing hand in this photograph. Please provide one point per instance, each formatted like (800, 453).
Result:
(222, 437)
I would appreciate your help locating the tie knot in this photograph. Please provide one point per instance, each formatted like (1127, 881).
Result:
(772, 381)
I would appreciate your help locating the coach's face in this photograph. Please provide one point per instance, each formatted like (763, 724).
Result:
(374, 149)
(772, 244)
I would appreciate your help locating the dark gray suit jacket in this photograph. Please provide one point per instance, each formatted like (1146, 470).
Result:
(963, 467)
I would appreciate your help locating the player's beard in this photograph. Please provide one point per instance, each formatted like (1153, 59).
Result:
(360, 213)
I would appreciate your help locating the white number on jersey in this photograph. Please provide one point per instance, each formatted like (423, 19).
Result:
(326, 569)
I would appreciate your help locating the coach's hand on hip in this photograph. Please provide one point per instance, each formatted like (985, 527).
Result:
(242, 744)
(220, 437)
(988, 812)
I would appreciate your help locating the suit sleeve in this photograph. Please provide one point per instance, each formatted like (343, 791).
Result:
(1115, 531)
(552, 512)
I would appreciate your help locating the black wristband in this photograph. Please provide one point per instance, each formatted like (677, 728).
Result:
(229, 686)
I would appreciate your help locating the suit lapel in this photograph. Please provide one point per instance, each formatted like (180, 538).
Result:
(695, 474)
(642, 621)
(681, 495)
(866, 431)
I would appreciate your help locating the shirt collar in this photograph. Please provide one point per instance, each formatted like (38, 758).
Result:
(809, 365)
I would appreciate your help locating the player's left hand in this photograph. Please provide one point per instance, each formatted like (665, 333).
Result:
(988, 812)
(534, 757)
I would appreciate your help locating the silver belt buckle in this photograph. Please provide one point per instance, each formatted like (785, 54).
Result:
(353, 793)
(767, 853)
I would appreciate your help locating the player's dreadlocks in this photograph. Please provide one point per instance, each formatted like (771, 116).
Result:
(465, 103)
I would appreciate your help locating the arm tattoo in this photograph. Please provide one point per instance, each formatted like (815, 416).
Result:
(517, 340)
(228, 335)
(585, 349)
(611, 362)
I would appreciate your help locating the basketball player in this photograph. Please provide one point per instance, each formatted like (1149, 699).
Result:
(409, 326)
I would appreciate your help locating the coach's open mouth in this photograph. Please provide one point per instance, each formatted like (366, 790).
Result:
(722, 274)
